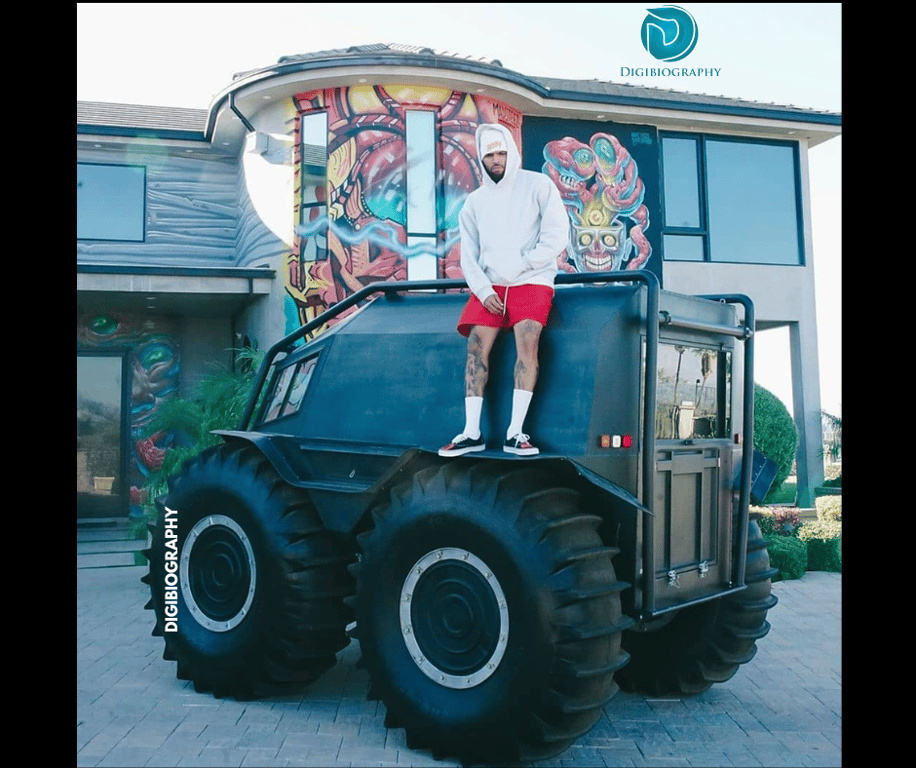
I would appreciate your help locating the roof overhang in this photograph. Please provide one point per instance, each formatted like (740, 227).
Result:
(182, 291)
(233, 109)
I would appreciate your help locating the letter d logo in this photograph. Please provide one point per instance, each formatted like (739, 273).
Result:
(669, 33)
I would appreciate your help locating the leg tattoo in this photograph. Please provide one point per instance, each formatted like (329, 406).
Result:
(527, 338)
(477, 369)
(526, 376)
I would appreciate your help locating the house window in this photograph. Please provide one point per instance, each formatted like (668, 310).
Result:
(101, 429)
(313, 181)
(421, 195)
(728, 200)
(110, 202)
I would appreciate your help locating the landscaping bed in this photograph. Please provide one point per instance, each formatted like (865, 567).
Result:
(803, 540)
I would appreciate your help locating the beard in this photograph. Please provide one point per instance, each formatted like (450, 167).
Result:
(497, 177)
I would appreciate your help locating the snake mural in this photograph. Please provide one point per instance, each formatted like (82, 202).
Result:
(600, 186)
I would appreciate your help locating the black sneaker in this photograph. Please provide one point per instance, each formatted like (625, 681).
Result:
(520, 446)
(462, 444)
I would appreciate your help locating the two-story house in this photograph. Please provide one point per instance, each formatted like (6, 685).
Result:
(199, 231)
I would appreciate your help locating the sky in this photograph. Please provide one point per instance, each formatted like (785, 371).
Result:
(183, 54)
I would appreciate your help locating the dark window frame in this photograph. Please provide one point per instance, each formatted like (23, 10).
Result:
(281, 389)
(721, 388)
(321, 253)
(412, 234)
(144, 203)
(126, 449)
(702, 231)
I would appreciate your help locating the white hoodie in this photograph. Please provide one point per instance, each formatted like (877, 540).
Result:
(513, 231)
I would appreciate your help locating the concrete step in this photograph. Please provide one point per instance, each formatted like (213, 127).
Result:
(115, 545)
(106, 543)
(105, 560)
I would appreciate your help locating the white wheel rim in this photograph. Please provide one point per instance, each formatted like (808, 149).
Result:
(187, 550)
(426, 665)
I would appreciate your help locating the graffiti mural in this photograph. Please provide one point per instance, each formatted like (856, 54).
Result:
(607, 196)
(354, 228)
(600, 187)
(153, 359)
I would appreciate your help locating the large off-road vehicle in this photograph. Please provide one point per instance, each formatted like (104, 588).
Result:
(497, 600)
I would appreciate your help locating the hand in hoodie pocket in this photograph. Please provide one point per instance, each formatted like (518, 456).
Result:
(507, 266)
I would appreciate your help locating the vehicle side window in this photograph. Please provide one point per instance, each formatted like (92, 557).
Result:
(289, 389)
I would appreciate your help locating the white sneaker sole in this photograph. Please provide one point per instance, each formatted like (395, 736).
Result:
(521, 451)
(462, 451)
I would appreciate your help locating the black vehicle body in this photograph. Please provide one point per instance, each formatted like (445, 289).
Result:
(387, 379)
(644, 416)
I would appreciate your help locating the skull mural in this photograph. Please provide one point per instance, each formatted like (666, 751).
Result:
(601, 189)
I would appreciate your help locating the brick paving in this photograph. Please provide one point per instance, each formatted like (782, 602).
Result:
(782, 709)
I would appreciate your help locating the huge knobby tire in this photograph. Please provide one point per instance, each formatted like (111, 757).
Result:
(488, 613)
(706, 643)
(247, 585)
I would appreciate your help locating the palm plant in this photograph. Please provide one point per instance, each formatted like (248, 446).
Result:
(834, 447)
(217, 402)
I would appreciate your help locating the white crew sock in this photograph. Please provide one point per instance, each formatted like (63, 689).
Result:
(521, 399)
(472, 410)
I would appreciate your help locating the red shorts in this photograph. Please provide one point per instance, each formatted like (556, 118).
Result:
(525, 302)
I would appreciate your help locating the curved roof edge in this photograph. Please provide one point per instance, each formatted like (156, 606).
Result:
(595, 91)
(121, 119)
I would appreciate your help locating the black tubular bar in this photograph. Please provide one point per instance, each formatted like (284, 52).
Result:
(284, 344)
(287, 342)
(668, 320)
(747, 439)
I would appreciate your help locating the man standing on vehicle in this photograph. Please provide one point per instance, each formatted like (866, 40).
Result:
(513, 228)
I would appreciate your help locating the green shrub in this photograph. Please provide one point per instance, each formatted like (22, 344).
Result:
(789, 555)
(217, 402)
(775, 435)
(777, 521)
(765, 521)
(824, 542)
(833, 474)
(829, 508)
(825, 555)
(764, 518)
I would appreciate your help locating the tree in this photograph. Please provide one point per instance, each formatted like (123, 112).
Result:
(775, 434)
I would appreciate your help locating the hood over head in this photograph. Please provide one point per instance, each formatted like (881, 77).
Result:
(491, 137)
